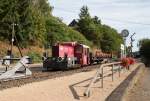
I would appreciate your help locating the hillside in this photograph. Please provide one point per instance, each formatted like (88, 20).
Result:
(33, 51)
(35, 28)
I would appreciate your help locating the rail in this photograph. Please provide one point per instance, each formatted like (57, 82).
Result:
(100, 75)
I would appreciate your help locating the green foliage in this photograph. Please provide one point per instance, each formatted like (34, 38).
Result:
(35, 57)
(111, 40)
(144, 45)
(36, 25)
(8, 14)
(145, 48)
(84, 13)
(44, 7)
(38, 31)
(90, 27)
(59, 32)
(96, 20)
(30, 17)
(102, 36)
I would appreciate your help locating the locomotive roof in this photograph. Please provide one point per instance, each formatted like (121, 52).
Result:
(73, 44)
(85, 46)
(67, 43)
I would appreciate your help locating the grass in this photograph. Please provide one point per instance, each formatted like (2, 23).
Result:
(34, 52)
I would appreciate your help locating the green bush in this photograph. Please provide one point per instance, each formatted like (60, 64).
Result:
(35, 57)
(58, 31)
(145, 50)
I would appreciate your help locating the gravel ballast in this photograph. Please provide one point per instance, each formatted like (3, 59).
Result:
(38, 75)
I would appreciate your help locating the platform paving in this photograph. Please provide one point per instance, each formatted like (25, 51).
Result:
(68, 88)
(141, 90)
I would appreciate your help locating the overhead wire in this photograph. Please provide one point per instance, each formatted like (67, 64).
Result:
(106, 18)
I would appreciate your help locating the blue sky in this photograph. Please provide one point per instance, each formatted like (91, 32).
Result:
(133, 15)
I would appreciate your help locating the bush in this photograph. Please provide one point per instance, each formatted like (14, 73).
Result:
(145, 50)
(35, 57)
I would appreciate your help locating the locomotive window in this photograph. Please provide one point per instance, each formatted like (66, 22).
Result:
(78, 49)
(85, 51)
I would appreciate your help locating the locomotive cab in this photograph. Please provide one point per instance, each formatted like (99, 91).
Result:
(82, 54)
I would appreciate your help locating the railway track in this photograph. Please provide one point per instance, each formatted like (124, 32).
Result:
(38, 75)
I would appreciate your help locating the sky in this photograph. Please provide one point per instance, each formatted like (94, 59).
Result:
(133, 15)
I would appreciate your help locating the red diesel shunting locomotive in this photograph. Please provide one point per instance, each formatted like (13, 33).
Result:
(69, 54)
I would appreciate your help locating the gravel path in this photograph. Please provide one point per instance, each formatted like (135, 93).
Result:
(141, 90)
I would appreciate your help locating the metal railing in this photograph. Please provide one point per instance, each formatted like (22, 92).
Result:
(100, 75)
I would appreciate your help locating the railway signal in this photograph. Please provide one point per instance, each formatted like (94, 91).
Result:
(132, 40)
(125, 34)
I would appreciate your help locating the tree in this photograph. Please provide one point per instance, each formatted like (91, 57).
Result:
(30, 16)
(84, 13)
(8, 15)
(144, 45)
(57, 31)
(89, 26)
(37, 26)
(111, 40)
(102, 36)
(43, 6)
(96, 20)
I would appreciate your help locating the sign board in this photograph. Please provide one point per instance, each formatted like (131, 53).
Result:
(122, 47)
(125, 33)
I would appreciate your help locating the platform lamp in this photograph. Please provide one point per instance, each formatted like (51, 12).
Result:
(125, 34)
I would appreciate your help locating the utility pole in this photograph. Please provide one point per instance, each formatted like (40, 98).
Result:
(132, 40)
(13, 36)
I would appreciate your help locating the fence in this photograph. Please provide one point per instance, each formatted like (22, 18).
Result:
(100, 75)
